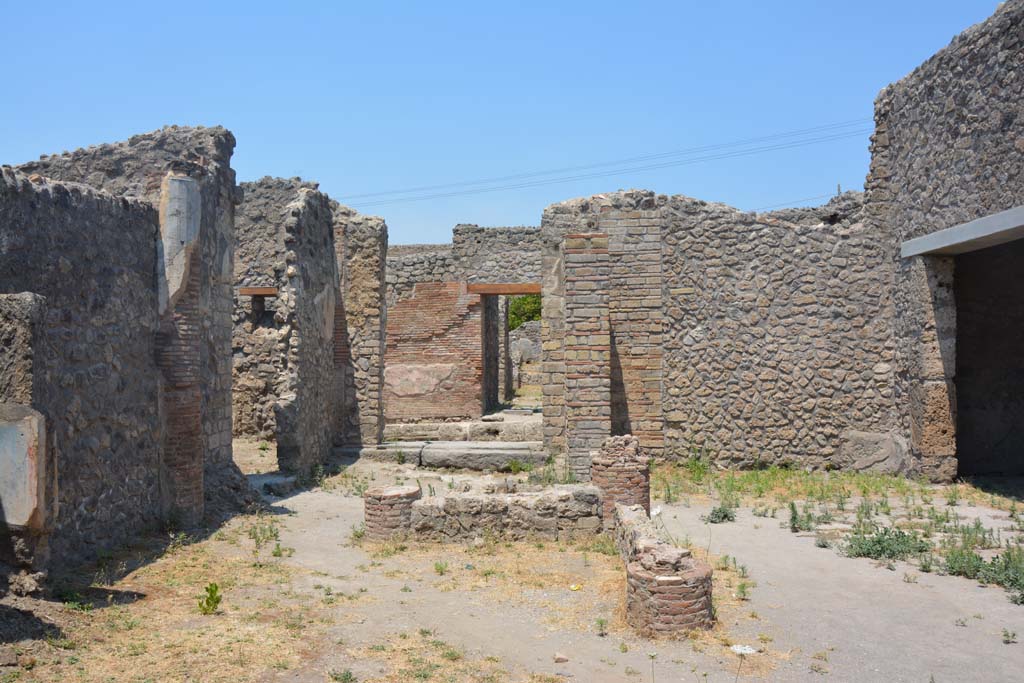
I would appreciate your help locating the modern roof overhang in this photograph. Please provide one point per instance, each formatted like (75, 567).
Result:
(989, 231)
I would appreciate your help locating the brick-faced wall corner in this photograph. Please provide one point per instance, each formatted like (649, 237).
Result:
(388, 511)
(587, 348)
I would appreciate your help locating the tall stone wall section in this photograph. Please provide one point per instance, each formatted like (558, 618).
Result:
(587, 348)
(284, 356)
(80, 266)
(194, 347)
(360, 325)
(946, 150)
(434, 354)
(778, 340)
(633, 222)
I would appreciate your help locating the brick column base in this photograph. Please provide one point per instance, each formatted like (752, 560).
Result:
(661, 601)
(388, 511)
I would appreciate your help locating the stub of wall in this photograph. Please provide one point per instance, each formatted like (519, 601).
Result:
(360, 322)
(587, 348)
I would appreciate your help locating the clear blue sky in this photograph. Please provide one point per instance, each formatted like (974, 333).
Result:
(377, 96)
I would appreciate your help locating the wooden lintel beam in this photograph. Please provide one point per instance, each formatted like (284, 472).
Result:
(257, 291)
(504, 288)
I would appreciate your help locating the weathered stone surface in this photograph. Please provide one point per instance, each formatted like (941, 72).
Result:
(946, 150)
(485, 456)
(194, 346)
(284, 345)
(82, 352)
(554, 513)
(887, 453)
(22, 319)
(181, 213)
(23, 460)
(360, 326)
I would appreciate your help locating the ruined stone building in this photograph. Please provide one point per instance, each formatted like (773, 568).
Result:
(151, 309)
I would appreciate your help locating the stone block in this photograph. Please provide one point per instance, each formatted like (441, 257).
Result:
(24, 502)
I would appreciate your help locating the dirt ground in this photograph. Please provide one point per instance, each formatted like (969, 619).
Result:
(304, 598)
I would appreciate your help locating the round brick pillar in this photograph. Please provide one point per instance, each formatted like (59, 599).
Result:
(388, 511)
(623, 473)
(670, 605)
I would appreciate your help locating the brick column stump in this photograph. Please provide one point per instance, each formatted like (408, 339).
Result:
(622, 471)
(388, 511)
(668, 599)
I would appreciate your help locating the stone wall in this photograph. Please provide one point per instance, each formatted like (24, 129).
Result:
(284, 344)
(408, 265)
(946, 150)
(556, 513)
(633, 222)
(778, 344)
(496, 254)
(195, 334)
(360, 325)
(434, 367)
(84, 350)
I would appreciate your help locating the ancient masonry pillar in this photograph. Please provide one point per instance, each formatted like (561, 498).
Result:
(927, 330)
(360, 324)
(178, 345)
(587, 348)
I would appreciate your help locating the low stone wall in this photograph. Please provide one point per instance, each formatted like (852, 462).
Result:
(552, 514)
(622, 471)
(668, 592)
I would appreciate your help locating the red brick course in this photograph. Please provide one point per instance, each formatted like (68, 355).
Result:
(388, 511)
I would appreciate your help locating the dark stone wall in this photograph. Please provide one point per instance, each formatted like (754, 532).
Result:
(947, 149)
(135, 168)
(778, 334)
(990, 360)
(92, 256)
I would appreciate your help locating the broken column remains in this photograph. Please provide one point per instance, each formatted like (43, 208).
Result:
(587, 348)
(621, 470)
(388, 511)
(668, 591)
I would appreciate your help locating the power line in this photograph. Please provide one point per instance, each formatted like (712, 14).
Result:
(791, 202)
(617, 162)
(621, 171)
